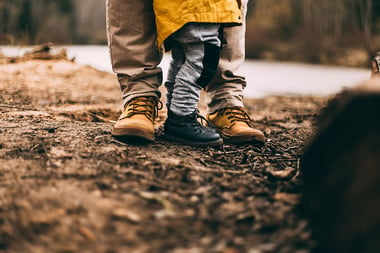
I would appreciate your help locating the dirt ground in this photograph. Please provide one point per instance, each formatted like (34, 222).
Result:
(67, 186)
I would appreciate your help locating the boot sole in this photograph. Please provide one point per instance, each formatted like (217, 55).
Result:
(135, 134)
(241, 139)
(215, 143)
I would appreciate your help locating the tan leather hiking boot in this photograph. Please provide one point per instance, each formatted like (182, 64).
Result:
(234, 125)
(137, 119)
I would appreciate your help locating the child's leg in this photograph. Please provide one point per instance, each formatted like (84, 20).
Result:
(178, 58)
(195, 59)
(201, 46)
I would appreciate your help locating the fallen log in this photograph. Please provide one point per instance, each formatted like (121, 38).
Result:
(341, 172)
(41, 52)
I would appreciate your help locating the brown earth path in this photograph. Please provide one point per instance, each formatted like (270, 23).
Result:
(67, 186)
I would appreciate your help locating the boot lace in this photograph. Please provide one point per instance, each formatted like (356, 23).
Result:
(236, 114)
(147, 106)
(202, 121)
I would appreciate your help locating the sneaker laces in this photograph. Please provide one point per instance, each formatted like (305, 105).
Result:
(236, 114)
(147, 106)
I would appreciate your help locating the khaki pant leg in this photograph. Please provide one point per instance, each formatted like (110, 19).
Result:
(133, 49)
(226, 89)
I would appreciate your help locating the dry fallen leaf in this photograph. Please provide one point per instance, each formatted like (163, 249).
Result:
(287, 197)
(284, 174)
(125, 214)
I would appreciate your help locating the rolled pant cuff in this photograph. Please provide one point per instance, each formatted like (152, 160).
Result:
(129, 97)
(225, 103)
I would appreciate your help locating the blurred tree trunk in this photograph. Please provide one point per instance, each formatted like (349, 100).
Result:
(325, 17)
(78, 21)
(25, 21)
(4, 20)
(365, 20)
(90, 18)
(365, 16)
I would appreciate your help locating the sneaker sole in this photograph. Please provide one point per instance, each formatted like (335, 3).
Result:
(132, 134)
(216, 143)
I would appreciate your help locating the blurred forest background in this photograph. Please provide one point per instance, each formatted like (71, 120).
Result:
(341, 32)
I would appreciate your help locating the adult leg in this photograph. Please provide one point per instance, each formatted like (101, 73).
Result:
(226, 88)
(135, 57)
(226, 107)
(134, 53)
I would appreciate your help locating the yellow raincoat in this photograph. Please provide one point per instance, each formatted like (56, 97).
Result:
(171, 15)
